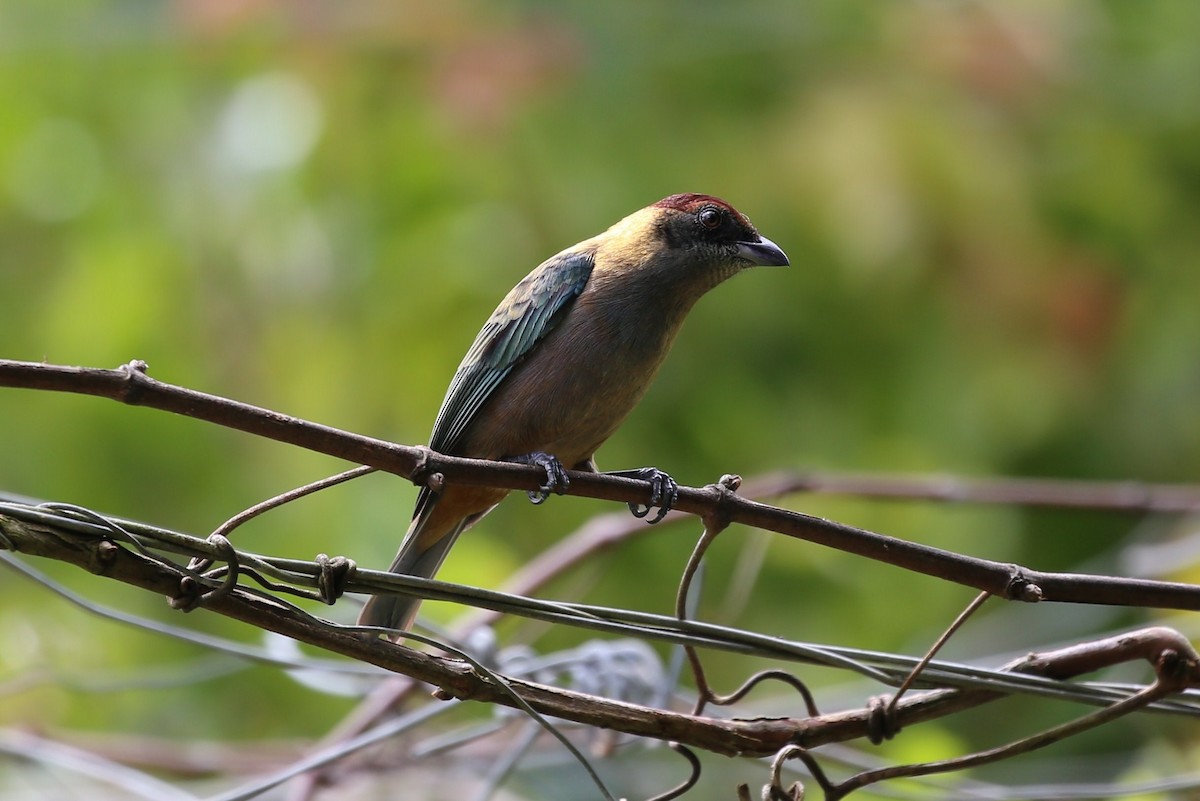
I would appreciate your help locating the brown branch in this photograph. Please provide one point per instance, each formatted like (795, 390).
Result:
(130, 384)
(753, 737)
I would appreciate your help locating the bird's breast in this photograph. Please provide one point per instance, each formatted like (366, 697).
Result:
(576, 387)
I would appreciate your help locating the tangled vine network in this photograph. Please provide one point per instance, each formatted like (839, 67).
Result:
(616, 687)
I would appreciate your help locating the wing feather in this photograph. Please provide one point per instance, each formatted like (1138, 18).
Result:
(523, 319)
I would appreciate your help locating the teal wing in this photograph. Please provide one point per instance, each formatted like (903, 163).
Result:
(523, 319)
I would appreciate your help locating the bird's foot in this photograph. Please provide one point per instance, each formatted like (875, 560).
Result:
(663, 491)
(556, 476)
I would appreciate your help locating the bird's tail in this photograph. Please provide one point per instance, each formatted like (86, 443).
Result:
(421, 554)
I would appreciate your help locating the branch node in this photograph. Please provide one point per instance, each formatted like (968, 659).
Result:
(423, 473)
(335, 573)
(106, 554)
(1175, 668)
(1031, 593)
(719, 517)
(131, 390)
(882, 721)
(420, 475)
(1020, 588)
(189, 596)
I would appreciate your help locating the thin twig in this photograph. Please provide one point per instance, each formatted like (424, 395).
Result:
(249, 513)
(971, 609)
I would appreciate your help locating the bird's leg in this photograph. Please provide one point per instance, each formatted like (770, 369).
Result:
(663, 491)
(556, 477)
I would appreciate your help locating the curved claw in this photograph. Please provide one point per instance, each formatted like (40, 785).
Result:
(664, 491)
(556, 475)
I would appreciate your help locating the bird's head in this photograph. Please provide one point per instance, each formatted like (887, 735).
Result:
(709, 230)
(683, 244)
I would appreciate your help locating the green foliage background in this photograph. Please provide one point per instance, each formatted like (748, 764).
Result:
(991, 211)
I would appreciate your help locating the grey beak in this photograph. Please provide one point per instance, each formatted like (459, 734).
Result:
(763, 253)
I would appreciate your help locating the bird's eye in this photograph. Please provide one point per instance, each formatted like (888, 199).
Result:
(710, 217)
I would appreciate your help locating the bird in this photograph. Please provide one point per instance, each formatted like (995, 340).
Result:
(563, 360)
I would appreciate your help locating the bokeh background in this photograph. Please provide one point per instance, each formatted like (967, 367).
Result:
(991, 210)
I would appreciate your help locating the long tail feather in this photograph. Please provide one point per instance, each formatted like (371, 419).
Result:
(415, 558)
